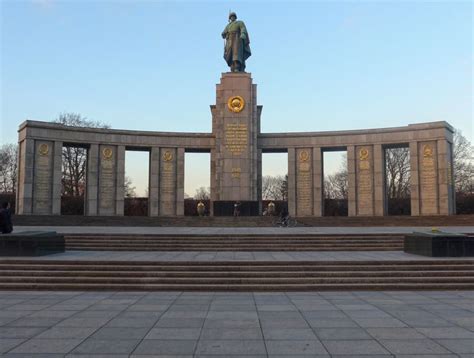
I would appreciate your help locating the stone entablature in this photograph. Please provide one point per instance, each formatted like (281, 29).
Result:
(236, 146)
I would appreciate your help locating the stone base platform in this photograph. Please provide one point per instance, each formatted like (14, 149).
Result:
(439, 244)
(31, 243)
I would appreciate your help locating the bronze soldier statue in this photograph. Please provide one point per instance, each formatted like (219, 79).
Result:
(237, 48)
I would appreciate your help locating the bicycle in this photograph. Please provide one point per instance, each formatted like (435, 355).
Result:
(286, 222)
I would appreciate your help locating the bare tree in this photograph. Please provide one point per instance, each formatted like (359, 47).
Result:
(129, 189)
(397, 171)
(74, 158)
(463, 164)
(335, 185)
(275, 187)
(202, 193)
(8, 168)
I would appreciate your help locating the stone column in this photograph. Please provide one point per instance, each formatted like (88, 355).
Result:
(317, 182)
(168, 184)
(304, 182)
(445, 178)
(180, 182)
(153, 192)
(351, 181)
(26, 159)
(214, 192)
(92, 180)
(379, 180)
(43, 177)
(120, 170)
(108, 158)
(365, 180)
(259, 182)
(292, 181)
(414, 180)
(235, 124)
(57, 176)
(428, 177)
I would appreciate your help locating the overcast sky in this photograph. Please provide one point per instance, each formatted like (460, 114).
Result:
(319, 65)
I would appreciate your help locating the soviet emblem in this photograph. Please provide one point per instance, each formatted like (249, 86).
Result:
(43, 149)
(427, 151)
(107, 153)
(236, 104)
(304, 155)
(167, 156)
(364, 154)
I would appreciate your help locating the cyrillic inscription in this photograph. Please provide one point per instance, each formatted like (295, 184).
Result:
(236, 137)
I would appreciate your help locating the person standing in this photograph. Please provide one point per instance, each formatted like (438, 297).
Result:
(6, 218)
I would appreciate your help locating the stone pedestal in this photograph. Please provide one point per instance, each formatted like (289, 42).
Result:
(235, 125)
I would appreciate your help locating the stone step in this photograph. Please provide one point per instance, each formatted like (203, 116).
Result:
(236, 249)
(236, 274)
(235, 243)
(236, 280)
(237, 287)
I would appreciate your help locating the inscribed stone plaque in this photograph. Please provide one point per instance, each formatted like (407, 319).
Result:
(107, 180)
(304, 183)
(168, 181)
(428, 178)
(365, 183)
(43, 178)
(236, 137)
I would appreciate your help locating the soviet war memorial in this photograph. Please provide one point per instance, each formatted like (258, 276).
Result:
(333, 214)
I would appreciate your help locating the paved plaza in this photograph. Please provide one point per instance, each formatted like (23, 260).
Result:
(185, 324)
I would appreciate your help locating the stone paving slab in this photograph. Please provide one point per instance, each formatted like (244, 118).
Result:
(169, 230)
(212, 256)
(295, 324)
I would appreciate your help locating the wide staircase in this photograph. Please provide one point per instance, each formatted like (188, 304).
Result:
(29, 274)
(280, 242)
(243, 221)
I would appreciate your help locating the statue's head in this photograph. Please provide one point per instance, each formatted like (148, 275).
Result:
(232, 16)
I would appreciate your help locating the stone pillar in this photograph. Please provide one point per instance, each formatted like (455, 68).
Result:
(92, 180)
(168, 184)
(445, 178)
(414, 180)
(120, 183)
(304, 182)
(351, 181)
(153, 192)
(365, 180)
(214, 193)
(317, 182)
(259, 182)
(236, 125)
(43, 177)
(107, 188)
(57, 176)
(379, 181)
(292, 181)
(428, 177)
(26, 159)
(180, 182)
